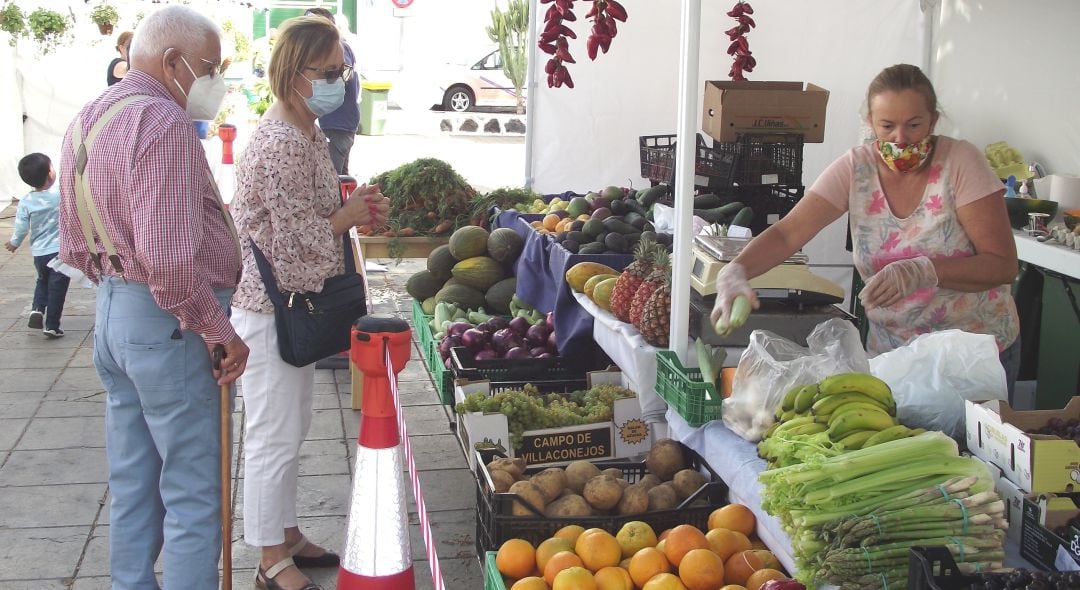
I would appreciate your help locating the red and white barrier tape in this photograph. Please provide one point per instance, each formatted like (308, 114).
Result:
(414, 477)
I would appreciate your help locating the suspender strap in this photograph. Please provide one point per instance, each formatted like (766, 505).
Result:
(229, 224)
(89, 215)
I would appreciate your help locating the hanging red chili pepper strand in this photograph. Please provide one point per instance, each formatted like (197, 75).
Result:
(553, 40)
(739, 48)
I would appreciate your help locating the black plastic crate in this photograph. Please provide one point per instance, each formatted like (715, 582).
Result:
(774, 158)
(770, 202)
(519, 371)
(495, 524)
(933, 568)
(657, 156)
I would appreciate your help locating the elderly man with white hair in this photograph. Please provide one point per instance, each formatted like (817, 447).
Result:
(141, 217)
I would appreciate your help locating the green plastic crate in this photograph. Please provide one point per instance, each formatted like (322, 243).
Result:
(493, 580)
(422, 325)
(683, 389)
(443, 378)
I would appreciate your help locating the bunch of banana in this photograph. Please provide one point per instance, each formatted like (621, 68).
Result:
(857, 410)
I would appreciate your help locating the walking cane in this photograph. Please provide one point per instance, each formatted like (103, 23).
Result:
(226, 477)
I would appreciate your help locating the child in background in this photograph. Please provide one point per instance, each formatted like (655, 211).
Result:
(38, 214)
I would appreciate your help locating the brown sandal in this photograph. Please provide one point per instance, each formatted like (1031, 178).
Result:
(265, 578)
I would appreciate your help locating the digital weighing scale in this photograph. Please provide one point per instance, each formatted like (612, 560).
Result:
(790, 281)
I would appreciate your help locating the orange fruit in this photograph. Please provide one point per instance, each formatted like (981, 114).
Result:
(739, 567)
(758, 578)
(734, 517)
(550, 221)
(663, 534)
(768, 560)
(664, 582)
(598, 549)
(613, 578)
(530, 583)
(726, 542)
(559, 562)
(625, 563)
(550, 547)
(574, 578)
(570, 532)
(591, 531)
(681, 541)
(701, 569)
(661, 545)
(647, 563)
(756, 543)
(635, 536)
(516, 558)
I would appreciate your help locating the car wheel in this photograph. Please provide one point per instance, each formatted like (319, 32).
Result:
(458, 99)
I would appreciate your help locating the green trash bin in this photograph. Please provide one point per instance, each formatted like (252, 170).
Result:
(373, 107)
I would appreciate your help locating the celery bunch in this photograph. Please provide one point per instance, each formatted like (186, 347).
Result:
(853, 516)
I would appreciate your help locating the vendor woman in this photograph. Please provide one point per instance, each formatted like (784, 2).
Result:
(931, 236)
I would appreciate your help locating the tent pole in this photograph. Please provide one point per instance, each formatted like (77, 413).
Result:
(685, 154)
(532, 82)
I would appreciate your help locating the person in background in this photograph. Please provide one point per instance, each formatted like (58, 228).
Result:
(162, 301)
(118, 67)
(930, 231)
(288, 204)
(38, 215)
(340, 125)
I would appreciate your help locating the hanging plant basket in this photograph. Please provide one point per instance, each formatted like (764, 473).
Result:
(48, 28)
(13, 22)
(105, 17)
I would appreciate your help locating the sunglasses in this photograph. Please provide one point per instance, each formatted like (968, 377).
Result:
(344, 72)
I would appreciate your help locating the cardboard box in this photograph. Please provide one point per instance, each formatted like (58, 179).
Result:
(627, 435)
(731, 108)
(1013, 497)
(1035, 462)
(1039, 543)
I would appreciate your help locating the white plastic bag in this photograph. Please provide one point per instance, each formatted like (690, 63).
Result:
(76, 275)
(664, 220)
(932, 375)
(772, 365)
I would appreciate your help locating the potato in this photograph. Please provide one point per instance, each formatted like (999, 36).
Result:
(665, 459)
(569, 506)
(622, 483)
(515, 467)
(613, 472)
(552, 482)
(687, 482)
(662, 498)
(602, 492)
(649, 481)
(532, 494)
(579, 472)
(635, 500)
(502, 480)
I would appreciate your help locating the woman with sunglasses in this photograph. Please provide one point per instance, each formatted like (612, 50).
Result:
(288, 203)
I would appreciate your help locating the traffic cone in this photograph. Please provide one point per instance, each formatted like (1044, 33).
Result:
(377, 552)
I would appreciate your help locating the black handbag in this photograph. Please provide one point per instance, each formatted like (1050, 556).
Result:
(313, 326)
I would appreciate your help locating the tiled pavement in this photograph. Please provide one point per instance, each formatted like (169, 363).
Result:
(54, 515)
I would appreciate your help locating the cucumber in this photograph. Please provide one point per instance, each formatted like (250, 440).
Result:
(707, 201)
(730, 209)
(743, 217)
(633, 218)
(710, 215)
(636, 207)
(653, 194)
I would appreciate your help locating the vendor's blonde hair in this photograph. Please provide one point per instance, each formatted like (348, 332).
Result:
(300, 41)
(899, 78)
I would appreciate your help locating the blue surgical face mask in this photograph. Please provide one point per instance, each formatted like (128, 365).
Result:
(326, 97)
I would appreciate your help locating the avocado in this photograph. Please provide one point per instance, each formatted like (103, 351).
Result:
(616, 242)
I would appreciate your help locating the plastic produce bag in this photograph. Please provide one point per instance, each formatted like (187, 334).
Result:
(664, 220)
(932, 375)
(76, 275)
(771, 365)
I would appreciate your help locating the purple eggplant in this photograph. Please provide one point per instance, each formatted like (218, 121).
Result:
(519, 325)
(486, 355)
(458, 328)
(474, 339)
(536, 335)
(517, 352)
(503, 340)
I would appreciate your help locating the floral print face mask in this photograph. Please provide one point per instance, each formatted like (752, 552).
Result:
(905, 157)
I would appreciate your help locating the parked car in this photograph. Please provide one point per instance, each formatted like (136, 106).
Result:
(482, 84)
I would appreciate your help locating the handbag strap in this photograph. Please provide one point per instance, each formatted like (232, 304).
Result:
(277, 296)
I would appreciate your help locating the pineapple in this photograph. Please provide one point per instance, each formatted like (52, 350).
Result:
(652, 282)
(656, 317)
(630, 279)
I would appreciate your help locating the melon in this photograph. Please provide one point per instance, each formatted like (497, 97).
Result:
(478, 272)
(505, 245)
(440, 262)
(423, 285)
(468, 242)
(499, 295)
(462, 296)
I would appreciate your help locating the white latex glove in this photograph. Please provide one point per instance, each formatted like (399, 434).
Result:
(730, 283)
(897, 280)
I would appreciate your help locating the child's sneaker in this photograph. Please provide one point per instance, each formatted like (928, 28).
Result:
(53, 334)
(37, 320)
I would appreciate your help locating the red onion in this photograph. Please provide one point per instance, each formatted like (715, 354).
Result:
(536, 351)
(505, 339)
(474, 339)
(517, 352)
(458, 328)
(536, 335)
(486, 355)
(519, 325)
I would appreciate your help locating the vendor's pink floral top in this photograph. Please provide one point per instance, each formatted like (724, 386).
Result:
(286, 190)
(959, 175)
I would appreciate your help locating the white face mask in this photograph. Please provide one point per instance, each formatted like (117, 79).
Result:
(205, 96)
